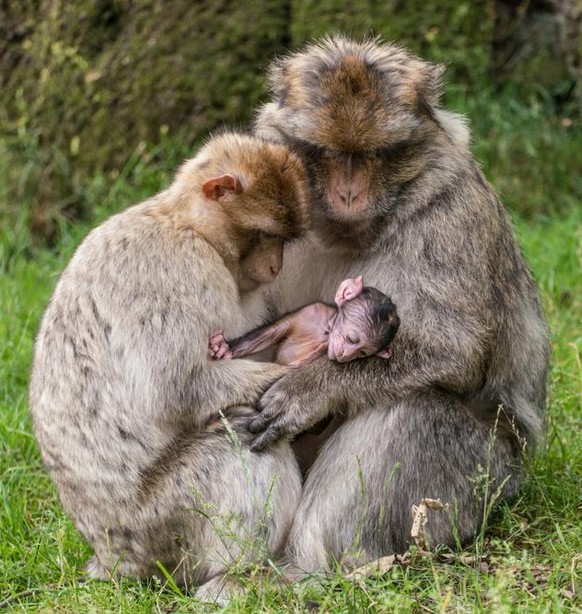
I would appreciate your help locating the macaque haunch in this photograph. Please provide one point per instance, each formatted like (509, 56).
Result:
(363, 323)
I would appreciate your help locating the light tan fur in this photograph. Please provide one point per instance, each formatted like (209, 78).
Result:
(126, 405)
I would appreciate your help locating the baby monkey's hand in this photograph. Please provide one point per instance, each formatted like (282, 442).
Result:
(218, 348)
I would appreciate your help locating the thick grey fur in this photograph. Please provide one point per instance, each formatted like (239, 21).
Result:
(450, 414)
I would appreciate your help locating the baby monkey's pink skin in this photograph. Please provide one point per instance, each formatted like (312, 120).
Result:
(363, 323)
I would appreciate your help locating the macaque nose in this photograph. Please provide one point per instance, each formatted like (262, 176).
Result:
(275, 266)
(348, 194)
(335, 351)
(349, 187)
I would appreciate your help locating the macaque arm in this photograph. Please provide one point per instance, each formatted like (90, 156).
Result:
(261, 338)
(196, 388)
(302, 398)
(420, 361)
(222, 384)
(201, 392)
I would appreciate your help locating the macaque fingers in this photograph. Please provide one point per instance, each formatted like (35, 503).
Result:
(219, 348)
(266, 439)
(216, 335)
(270, 428)
(223, 353)
(260, 423)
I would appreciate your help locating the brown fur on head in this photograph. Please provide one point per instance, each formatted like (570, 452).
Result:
(355, 96)
(246, 196)
(271, 196)
(365, 118)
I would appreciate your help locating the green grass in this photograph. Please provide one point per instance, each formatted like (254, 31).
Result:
(530, 559)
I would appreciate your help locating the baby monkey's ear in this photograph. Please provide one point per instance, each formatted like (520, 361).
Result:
(387, 353)
(222, 188)
(349, 289)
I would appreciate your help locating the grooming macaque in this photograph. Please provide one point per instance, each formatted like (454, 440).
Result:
(398, 198)
(126, 404)
(362, 324)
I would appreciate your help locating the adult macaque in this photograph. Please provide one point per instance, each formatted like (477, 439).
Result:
(124, 399)
(363, 323)
(398, 198)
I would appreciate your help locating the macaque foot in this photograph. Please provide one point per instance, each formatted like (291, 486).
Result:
(219, 590)
(218, 348)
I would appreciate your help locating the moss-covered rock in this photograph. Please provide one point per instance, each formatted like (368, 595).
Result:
(88, 80)
(538, 46)
(94, 77)
(85, 82)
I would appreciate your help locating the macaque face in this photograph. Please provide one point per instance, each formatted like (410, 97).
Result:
(343, 183)
(261, 261)
(348, 197)
(255, 208)
(356, 189)
(361, 329)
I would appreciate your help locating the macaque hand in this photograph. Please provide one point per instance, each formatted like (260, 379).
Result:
(287, 409)
(218, 348)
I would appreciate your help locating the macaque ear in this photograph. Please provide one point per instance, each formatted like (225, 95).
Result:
(349, 289)
(386, 353)
(224, 187)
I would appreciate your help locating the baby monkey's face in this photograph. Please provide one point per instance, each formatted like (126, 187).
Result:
(364, 326)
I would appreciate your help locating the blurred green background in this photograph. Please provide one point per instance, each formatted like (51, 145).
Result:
(91, 88)
(101, 100)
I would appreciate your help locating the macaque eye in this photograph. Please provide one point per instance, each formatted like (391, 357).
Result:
(268, 235)
(311, 150)
(352, 338)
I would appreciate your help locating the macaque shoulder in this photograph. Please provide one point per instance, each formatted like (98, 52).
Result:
(139, 265)
(312, 321)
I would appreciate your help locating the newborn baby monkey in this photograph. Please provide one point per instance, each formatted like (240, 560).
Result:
(363, 323)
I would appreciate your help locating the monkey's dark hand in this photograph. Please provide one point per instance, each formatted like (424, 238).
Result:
(288, 408)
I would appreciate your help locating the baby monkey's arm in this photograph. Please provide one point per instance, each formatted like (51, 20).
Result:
(300, 337)
(255, 341)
